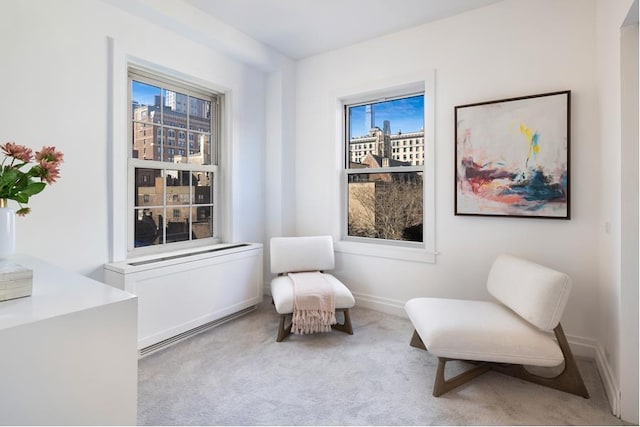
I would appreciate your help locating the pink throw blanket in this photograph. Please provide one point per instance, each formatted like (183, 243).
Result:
(314, 303)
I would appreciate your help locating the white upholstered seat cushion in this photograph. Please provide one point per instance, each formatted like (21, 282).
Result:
(480, 330)
(282, 293)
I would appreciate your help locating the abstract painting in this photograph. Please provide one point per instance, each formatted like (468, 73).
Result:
(512, 157)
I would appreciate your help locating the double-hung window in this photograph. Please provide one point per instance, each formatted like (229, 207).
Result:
(173, 179)
(384, 165)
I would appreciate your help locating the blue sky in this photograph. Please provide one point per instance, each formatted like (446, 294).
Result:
(144, 93)
(406, 115)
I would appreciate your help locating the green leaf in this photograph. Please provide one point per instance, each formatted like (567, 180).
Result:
(33, 188)
(21, 198)
(8, 179)
(18, 166)
(9, 176)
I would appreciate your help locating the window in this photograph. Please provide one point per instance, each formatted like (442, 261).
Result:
(173, 194)
(384, 192)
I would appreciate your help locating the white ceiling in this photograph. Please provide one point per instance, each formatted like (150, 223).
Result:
(302, 28)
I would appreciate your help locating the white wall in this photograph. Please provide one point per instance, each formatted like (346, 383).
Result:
(54, 84)
(508, 49)
(279, 156)
(504, 50)
(629, 185)
(618, 242)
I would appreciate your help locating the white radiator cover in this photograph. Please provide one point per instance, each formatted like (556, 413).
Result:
(180, 291)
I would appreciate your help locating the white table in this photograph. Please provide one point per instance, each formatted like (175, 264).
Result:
(68, 353)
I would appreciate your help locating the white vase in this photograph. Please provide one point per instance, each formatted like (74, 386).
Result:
(7, 230)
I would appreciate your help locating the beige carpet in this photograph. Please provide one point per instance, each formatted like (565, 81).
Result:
(236, 374)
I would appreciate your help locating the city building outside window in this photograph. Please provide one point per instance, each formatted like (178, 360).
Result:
(173, 197)
(384, 188)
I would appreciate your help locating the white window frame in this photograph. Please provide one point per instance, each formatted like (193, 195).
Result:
(167, 81)
(409, 251)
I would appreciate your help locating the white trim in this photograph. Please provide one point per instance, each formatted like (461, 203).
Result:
(384, 305)
(385, 250)
(592, 349)
(611, 388)
(117, 154)
(225, 163)
(118, 161)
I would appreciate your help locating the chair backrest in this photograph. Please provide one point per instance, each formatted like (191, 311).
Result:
(295, 254)
(537, 293)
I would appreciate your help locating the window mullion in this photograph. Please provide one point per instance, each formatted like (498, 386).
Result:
(188, 148)
(154, 164)
(396, 169)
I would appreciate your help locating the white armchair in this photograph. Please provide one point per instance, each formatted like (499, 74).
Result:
(299, 255)
(505, 335)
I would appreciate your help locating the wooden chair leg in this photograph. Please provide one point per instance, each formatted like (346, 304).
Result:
(569, 380)
(346, 325)
(416, 341)
(441, 385)
(283, 331)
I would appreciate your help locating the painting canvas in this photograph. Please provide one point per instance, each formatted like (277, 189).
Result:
(512, 157)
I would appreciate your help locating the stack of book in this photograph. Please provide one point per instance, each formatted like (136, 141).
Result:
(16, 281)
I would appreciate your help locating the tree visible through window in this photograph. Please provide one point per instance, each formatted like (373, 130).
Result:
(174, 191)
(385, 157)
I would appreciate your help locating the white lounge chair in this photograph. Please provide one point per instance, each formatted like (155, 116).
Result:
(505, 335)
(305, 254)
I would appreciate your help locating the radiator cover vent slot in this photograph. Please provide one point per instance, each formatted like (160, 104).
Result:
(167, 258)
(191, 332)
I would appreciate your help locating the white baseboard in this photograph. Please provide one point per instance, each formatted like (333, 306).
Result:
(591, 349)
(580, 346)
(611, 386)
(384, 305)
(266, 289)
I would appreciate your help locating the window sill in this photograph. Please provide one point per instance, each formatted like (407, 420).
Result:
(386, 251)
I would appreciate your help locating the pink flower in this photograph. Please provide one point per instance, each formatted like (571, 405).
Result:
(49, 171)
(19, 152)
(49, 154)
(18, 179)
(49, 160)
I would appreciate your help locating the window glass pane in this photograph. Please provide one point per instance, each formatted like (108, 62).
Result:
(203, 186)
(386, 206)
(168, 146)
(177, 224)
(174, 113)
(175, 106)
(199, 148)
(178, 189)
(202, 221)
(145, 111)
(148, 187)
(142, 139)
(199, 115)
(148, 227)
(378, 129)
(144, 95)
